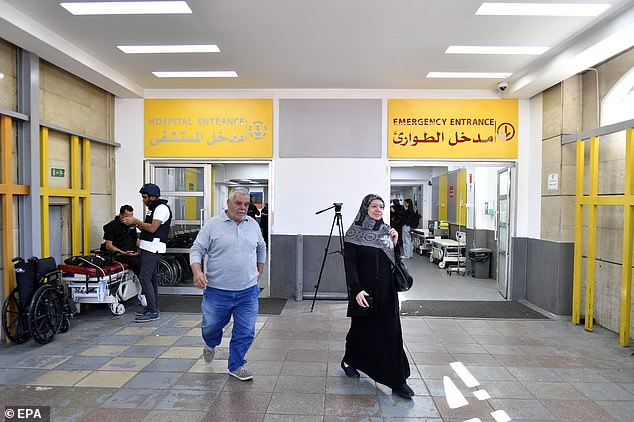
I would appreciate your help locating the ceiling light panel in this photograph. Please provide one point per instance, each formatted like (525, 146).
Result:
(127, 8)
(542, 9)
(197, 74)
(156, 49)
(468, 75)
(475, 49)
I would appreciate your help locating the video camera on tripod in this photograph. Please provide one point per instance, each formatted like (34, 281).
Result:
(338, 220)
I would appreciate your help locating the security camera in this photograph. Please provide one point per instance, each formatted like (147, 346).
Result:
(502, 86)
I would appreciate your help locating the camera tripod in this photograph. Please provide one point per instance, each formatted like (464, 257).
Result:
(336, 219)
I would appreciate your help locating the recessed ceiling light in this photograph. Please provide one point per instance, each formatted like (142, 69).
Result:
(197, 74)
(1, 75)
(542, 9)
(476, 49)
(141, 49)
(470, 75)
(127, 7)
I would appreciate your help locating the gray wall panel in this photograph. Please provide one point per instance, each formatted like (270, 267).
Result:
(452, 180)
(330, 128)
(549, 275)
(283, 266)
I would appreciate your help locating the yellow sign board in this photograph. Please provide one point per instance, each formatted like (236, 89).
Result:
(460, 128)
(199, 128)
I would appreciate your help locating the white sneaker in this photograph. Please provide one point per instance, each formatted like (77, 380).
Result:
(208, 353)
(242, 374)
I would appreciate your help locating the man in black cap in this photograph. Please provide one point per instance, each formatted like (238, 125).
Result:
(154, 231)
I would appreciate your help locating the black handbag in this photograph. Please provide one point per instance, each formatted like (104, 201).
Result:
(403, 280)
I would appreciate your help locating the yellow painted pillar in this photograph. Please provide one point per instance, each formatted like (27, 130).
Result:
(74, 216)
(45, 229)
(578, 250)
(592, 230)
(628, 229)
(7, 203)
(86, 187)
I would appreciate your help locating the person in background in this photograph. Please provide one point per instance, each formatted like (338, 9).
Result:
(264, 222)
(154, 231)
(253, 210)
(122, 240)
(406, 219)
(374, 343)
(396, 218)
(235, 251)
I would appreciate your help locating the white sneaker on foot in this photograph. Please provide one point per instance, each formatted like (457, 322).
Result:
(242, 374)
(208, 353)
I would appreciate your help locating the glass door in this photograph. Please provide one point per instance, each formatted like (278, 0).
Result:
(188, 191)
(502, 230)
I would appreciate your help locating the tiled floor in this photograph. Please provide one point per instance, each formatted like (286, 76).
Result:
(108, 368)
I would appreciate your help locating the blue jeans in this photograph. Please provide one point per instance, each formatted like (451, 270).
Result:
(217, 307)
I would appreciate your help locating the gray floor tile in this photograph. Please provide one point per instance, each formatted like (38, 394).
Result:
(294, 384)
(550, 390)
(352, 406)
(620, 410)
(187, 400)
(239, 402)
(153, 380)
(297, 404)
(523, 409)
(84, 363)
(577, 410)
(418, 406)
(603, 391)
(135, 398)
(170, 365)
(143, 351)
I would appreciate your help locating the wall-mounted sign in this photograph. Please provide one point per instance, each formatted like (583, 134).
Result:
(56, 172)
(198, 128)
(457, 128)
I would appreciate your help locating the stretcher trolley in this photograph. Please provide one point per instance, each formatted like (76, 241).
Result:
(420, 241)
(111, 284)
(447, 251)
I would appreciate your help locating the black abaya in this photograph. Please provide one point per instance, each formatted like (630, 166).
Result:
(374, 344)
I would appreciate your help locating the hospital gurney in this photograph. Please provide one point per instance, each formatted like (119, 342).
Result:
(447, 251)
(420, 241)
(111, 284)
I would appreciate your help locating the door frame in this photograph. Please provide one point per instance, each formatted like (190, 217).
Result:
(151, 163)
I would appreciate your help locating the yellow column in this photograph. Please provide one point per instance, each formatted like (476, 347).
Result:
(86, 187)
(7, 203)
(46, 239)
(578, 262)
(74, 216)
(628, 228)
(592, 230)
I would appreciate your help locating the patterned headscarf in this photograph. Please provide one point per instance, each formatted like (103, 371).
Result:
(366, 231)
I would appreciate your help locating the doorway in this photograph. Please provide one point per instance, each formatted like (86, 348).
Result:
(195, 192)
(460, 203)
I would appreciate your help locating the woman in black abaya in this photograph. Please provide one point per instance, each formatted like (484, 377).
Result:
(374, 344)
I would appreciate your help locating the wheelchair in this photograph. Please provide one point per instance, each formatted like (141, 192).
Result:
(38, 307)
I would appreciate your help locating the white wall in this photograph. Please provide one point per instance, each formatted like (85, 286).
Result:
(129, 157)
(529, 169)
(304, 186)
(299, 187)
(485, 185)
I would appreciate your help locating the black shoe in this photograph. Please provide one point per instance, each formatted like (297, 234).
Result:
(404, 391)
(350, 371)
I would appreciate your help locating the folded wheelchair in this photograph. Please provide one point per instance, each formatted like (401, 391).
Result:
(38, 307)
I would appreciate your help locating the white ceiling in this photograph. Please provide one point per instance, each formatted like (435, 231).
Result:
(322, 44)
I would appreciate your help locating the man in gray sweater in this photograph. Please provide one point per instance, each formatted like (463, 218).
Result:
(235, 251)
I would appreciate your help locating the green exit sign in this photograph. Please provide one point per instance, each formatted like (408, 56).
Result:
(57, 172)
